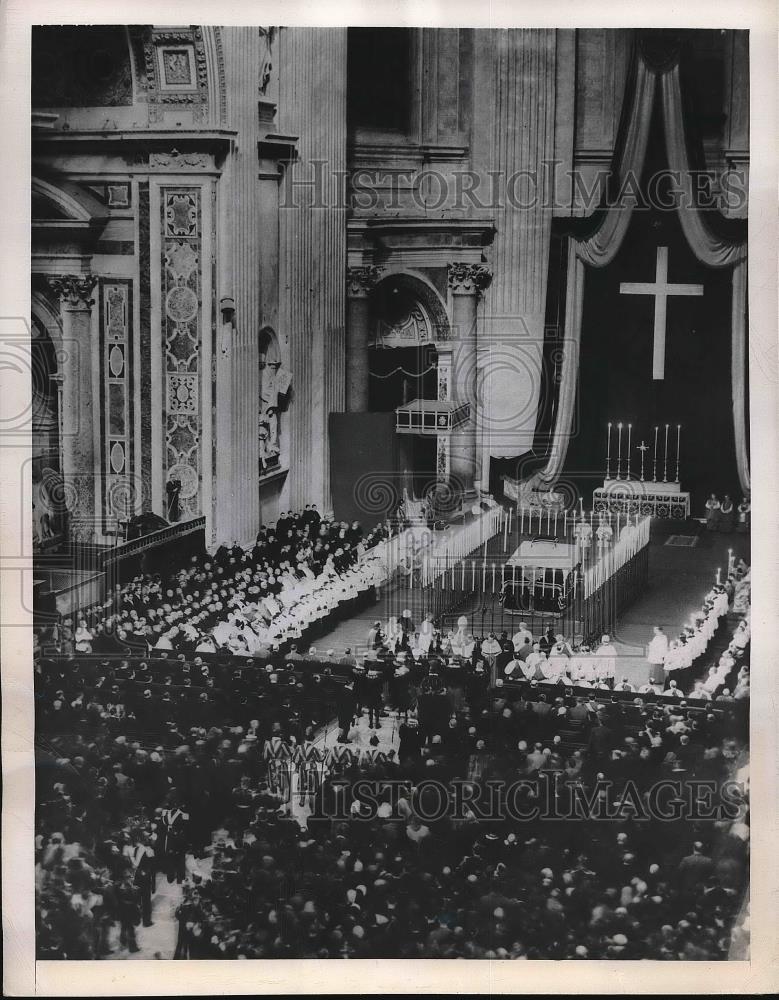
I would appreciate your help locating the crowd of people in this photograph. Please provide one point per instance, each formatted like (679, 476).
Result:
(184, 733)
(722, 515)
(213, 771)
(242, 601)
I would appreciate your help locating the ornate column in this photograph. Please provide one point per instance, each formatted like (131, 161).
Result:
(359, 282)
(466, 283)
(79, 471)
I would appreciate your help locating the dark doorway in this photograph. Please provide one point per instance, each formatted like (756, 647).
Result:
(400, 374)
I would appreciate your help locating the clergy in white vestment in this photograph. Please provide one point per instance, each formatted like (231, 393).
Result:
(656, 653)
(606, 656)
(604, 533)
(560, 657)
(518, 639)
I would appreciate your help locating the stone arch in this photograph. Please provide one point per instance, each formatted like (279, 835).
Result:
(405, 305)
(46, 433)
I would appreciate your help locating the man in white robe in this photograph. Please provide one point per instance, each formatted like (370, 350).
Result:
(656, 653)
(606, 655)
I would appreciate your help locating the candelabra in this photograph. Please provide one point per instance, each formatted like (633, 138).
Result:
(642, 448)
(665, 458)
(678, 439)
(654, 459)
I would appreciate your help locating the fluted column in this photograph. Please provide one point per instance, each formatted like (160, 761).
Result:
(466, 282)
(359, 282)
(514, 141)
(240, 250)
(312, 250)
(79, 466)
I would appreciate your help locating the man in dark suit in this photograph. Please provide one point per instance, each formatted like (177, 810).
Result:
(346, 707)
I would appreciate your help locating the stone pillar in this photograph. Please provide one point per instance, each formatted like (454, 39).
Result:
(359, 282)
(312, 250)
(466, 282)
(79, 466)
(240, 241)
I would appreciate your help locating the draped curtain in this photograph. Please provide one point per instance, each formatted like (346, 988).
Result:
(601, 248)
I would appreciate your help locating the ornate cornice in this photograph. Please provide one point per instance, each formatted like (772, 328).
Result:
(468, 279)
(74, 290)
(361, 279)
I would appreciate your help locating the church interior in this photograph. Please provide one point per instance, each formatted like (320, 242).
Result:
(390, 423)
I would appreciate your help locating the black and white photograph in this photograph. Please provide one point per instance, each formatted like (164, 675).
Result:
(393, 407)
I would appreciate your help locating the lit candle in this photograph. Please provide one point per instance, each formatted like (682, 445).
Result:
(630, 426)
(565, 522)
(654, 459)
(608, 449)
(678, 439)
(619, 449)
(581, 505)
(665, 460)
(555, 523)
(718, 576)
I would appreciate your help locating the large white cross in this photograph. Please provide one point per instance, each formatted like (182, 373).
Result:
(661, 290)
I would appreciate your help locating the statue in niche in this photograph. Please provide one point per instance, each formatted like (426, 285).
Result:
(275, 381)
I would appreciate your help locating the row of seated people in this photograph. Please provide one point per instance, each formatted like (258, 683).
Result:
(285, 587)
(109, 800)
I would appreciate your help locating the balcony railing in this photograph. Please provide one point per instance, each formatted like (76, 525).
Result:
(430, 417)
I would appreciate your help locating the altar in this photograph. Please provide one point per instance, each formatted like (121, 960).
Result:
(628, 494)
(655, 499)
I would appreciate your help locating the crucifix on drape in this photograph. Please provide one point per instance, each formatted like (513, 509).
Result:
(602, 247)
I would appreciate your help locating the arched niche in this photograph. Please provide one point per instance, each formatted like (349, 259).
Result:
(406, 310)
(275, 385)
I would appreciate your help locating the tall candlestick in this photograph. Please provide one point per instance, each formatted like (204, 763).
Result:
(642, 448)
(718, 574)
(630, 426)
(565, 523)
(581, 505)
(678, 438)
(619, 449)
(654, 460)
(665, 459)
(608, 449)
(555, 523)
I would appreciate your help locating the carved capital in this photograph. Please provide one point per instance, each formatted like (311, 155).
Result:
(468, 279)
(74, 290)
(360, 280)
